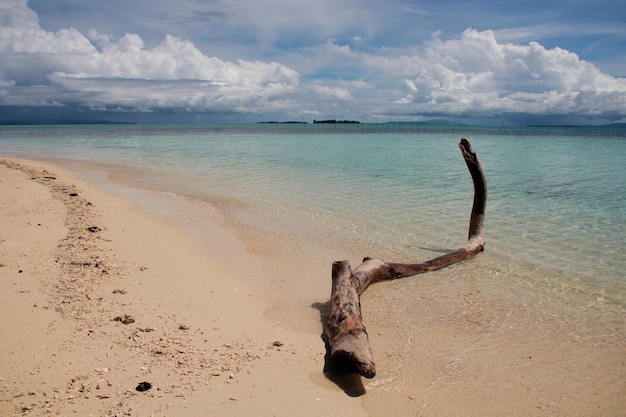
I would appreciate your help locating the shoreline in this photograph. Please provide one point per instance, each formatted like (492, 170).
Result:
(134, 300)
(206, 324)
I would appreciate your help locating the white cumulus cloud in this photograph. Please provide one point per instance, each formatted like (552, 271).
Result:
(125, 72)
(475, 73)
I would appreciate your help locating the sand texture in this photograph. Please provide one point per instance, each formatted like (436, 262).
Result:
(109, 311)
(99, 300)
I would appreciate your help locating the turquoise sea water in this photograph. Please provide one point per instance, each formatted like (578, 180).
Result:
(556, 212)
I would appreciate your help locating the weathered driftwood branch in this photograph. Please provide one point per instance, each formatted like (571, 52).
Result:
(347, 338)
(346, 335)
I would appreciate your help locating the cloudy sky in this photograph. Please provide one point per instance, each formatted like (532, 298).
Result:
(480, 61)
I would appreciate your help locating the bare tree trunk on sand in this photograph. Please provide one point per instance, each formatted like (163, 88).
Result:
(347, 339)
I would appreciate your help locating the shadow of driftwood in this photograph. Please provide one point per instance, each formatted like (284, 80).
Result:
(436, 250)
(350, 383)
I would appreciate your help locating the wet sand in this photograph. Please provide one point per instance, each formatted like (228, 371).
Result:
(99, 299)
(110, 310)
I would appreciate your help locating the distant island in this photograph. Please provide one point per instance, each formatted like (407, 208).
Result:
(333, 121)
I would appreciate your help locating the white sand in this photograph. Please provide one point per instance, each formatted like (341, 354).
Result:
(198, 336)
(211, 341)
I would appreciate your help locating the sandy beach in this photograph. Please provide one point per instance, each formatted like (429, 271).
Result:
(99, 299)
(111, 311)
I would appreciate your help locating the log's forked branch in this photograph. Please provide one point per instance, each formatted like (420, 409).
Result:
(374, 270)
(479, 179)
(347, 338)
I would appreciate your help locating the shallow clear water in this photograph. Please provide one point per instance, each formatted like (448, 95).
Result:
(556, 213)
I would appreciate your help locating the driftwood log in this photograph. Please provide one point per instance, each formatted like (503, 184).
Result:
(345, 334)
